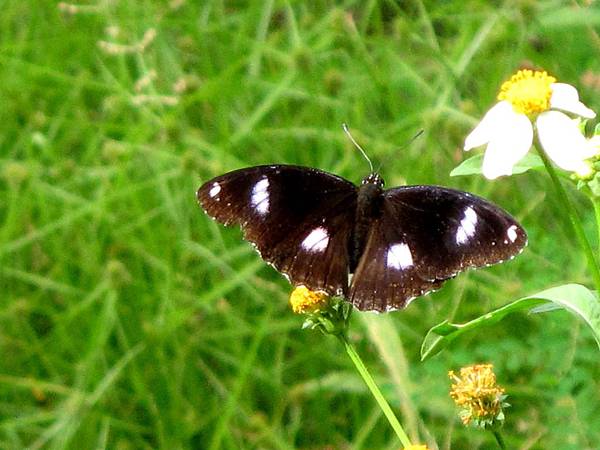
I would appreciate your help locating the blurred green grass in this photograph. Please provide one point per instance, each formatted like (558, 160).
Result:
(130, 320)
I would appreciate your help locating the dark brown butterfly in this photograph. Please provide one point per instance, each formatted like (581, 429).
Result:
(317, 228)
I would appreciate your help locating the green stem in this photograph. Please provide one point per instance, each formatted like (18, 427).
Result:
(370, 382)
(499, 439)
(596, 204)
(573, 216)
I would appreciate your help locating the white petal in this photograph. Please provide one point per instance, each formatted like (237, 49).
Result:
(511, 142)
(563, 141)
(484, 131)
(565, 97)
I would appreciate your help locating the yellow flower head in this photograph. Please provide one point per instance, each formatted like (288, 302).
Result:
(528, 91)
(303, 300)
(475, 391)
(416, 447)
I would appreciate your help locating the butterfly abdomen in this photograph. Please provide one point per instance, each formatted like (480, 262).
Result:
(368, 209)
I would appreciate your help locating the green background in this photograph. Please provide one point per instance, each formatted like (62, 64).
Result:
(130, 320)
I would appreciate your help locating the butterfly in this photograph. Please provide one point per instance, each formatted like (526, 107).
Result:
(318, 228)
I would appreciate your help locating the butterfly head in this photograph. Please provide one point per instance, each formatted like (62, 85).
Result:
(373, 178)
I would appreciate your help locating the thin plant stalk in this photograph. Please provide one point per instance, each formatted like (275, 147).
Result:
(499, 439)
(370, 382)
(596, 204)
(573, 216)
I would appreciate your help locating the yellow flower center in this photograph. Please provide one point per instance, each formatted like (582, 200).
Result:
(528, 91)
(416, 447)
(303, 300)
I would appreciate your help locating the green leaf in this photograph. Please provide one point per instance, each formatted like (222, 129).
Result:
(573, 297)
(472, 166)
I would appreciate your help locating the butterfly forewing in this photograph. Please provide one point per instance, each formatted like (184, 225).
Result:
(299, 219)
(425, 235)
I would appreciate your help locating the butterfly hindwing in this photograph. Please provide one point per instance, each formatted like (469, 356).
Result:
(425, 235)
(385, 277)
(300, 219)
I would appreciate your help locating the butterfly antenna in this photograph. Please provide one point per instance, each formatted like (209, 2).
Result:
(415, 137)
(347, 131)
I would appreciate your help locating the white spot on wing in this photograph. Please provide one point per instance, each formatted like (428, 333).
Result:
(317, 240)
(399, 256)
(260, 196)
(512, 233)
(214, 190)
(466, 229)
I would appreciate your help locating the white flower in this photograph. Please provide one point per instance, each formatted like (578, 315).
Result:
(507, 127)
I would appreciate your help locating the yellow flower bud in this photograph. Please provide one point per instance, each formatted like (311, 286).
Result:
(303, 300)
